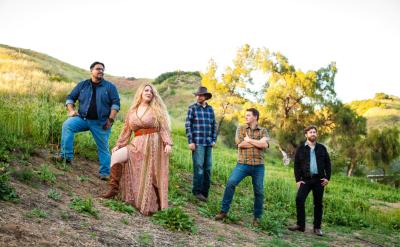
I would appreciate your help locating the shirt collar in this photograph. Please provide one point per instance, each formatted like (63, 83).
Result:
(198, 104)
(306, 144)
(257, 127)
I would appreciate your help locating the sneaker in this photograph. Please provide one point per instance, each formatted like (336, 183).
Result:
(200, 197)
(296, 228)
(220, 216)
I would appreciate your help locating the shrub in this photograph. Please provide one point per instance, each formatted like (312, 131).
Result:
(174, 219)
(84, 206)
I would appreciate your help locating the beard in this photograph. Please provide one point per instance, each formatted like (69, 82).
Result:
(312, 138)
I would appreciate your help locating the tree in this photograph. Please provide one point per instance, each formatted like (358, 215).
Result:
(228, 91)
(383, 147)
(348, 135)
(293, 98)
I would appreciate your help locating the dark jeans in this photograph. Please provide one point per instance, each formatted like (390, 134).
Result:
(202, 162)
(313, 184)
(238, 174)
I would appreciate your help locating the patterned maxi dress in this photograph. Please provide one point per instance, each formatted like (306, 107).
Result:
(144, 182)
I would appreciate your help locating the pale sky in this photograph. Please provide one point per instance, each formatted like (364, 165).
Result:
(146, 38)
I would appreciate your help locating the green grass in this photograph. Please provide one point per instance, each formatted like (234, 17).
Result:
(84, 206)
(119, 206)
(46, 175)
(175, 219)
(33, 116)
(54, 194)
(37, 213)
(7, 192)
(145, 239)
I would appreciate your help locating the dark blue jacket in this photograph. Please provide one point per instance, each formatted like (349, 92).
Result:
(107, 98)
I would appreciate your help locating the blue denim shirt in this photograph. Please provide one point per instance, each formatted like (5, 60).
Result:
(107, 98)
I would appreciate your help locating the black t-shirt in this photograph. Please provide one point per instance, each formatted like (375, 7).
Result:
(92, 112)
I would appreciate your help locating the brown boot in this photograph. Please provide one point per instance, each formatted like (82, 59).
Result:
(221, 216)
(115, 176)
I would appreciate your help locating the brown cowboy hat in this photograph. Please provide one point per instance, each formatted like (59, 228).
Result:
(203, 91)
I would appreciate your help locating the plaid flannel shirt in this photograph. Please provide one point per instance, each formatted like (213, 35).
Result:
(200, 125)
(253, 155)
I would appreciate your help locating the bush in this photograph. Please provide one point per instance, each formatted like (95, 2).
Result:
(84, 206)
(7, 192)
(53, 194)
(46, 175)
(174, 219)
(37, 213)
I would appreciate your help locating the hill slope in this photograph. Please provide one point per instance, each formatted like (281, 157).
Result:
(59, 205)
(381, 111)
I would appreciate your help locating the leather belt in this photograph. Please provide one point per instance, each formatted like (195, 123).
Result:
(141, 132)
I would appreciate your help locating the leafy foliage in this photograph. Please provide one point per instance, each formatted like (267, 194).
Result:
(174, 219)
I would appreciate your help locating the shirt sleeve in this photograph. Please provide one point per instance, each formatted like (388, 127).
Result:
(188, 125)
(214, 128)
(73, 96)
(239, 137)
(165, 134)
(125, 135)
(266, 134)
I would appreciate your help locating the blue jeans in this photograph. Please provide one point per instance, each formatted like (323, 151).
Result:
(238, 174)
(202, 162)
(76, 124)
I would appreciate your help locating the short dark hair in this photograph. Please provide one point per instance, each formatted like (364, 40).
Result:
(255, 112)
(95, 63)
(310, 127)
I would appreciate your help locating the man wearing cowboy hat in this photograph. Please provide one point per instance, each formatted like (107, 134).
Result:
(201, 131)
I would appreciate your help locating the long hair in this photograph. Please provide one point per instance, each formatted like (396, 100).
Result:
(156, 105)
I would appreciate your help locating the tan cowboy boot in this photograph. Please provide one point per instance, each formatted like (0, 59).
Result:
(115, 176)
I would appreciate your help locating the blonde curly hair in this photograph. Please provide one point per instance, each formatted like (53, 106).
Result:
(156, 105)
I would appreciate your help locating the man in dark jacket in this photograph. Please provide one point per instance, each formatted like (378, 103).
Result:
(312, 170)
(99, 104)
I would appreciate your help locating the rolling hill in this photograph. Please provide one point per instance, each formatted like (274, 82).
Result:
(381, 111)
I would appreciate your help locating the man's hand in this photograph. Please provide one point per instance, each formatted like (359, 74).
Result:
(108, 124)
(247, 138)
(72, 113)
(298, 184)
(324, 182)
(192, 146)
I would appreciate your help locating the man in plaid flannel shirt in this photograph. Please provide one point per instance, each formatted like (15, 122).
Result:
(202, 134)
(251, 140)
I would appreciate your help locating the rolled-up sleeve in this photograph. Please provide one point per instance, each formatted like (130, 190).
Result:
(238, 136)
(116, 105)
(73, 96)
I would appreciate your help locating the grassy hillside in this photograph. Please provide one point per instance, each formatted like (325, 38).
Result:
(44, 204)
(380, 111)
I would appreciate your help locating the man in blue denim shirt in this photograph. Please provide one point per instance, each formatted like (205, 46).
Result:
(201, 131)
(99, 104)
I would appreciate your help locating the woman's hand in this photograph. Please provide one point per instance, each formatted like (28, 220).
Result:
(167, 149)
(114, 149)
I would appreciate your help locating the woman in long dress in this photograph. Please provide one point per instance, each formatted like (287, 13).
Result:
(139, 167)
